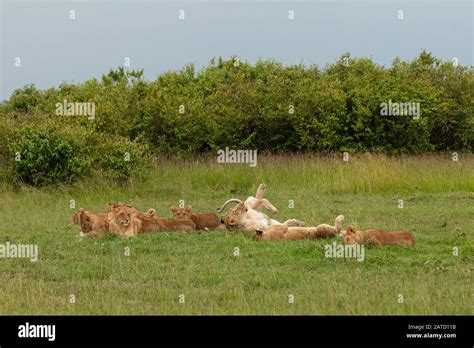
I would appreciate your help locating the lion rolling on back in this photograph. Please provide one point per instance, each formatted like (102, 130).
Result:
(284, 232)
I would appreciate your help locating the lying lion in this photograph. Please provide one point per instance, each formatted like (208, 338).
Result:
(174, 224)
(376, 237)
(283, 232)
(256, 203)
(125, 220)
(206, 221)
(121, 220)
(92, 224)
(246, 216)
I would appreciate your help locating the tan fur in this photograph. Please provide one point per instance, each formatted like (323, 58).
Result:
(246, 216)
(206, 221)
(258, 202)
(127, 221)
(152, 223)
(133, 210)
(92, 224)
(146, 222)
(260, 191)
(121, 221)
(282, 232)
(175, 224)
(378, 238)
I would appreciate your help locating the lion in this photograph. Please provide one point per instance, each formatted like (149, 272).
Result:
(122, 221)
(92, 224)
(207, 221)
(127, 221)
(377, 237)
(256, 203)
(175, 224)
(149, 212)
(246, 216)
(146, 222)
(152, 223)
(284, 232)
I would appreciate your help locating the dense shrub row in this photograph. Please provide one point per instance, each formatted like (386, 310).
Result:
(49, 153)
(265, 106)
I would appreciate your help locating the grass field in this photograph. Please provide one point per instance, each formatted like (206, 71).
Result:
(438, 200)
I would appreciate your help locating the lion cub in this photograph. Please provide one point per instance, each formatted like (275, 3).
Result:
(146, 222)
(207, 221)
(125, 220)
(92, 224)
(378, 238)
(283, 232)
(175, 224)
(149, 222)
(122, 220)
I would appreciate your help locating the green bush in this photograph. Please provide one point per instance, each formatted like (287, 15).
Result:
(118, 157)
(245, 106)
(60, 153)
(335, 109)
(43, 156)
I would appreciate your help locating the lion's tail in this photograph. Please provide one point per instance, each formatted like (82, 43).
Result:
(219, 210)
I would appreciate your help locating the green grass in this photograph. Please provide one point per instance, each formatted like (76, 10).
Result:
(438, 197)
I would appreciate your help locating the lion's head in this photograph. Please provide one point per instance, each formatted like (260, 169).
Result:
(83, 218)
(234, 216)
(76, 219)
(121, 214)
(349, 235)
(259, 235)
(182, 213)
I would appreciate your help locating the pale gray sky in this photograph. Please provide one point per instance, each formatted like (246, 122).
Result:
(53, 48)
